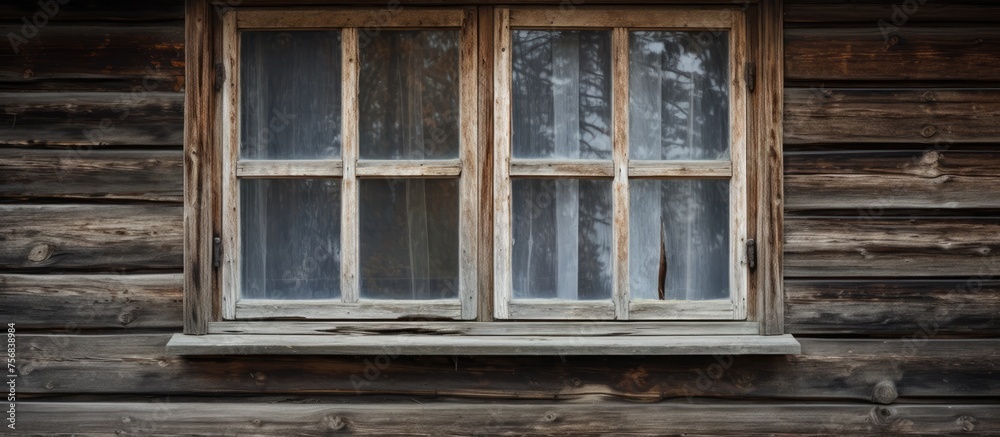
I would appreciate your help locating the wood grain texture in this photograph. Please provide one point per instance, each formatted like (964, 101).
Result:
(358, 18)
(101, 56)
(893, 307)
(768, 161)
(484, 165)
(131, 175)
(870, 182)
(74, 302)
(869, 12)
(900, 247)
(828, 369)
(909, 52)
(92, 119)
(572, 17)
(429, 417)
(90, 237)
(913, 116)
(560, 328)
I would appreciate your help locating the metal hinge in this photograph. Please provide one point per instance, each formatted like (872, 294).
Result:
(751, 76)
(216, 251)
(751, 254)
(220, 76)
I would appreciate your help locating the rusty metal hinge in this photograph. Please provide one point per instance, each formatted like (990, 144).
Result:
(751, 76)
(220, 76)
(216, 252)
(751, 254)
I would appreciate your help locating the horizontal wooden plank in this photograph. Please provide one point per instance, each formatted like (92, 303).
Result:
(237, 344)
(872, 246)
(681, 310)
(908, 52)
(363, 18)
(826, 369)
(871, 181)
(92, 301)
(557, 309)
(96, 10)
(562, 328)
(892, 12)
(919, 308)
(568, 168)
(290, 168)
(414, 168)
(914, 116)
(633, 18)
(90, 237)
(327, 309)
(436, 417)
(124, 58)
(92, 119)
(81, 174)
(680, 169)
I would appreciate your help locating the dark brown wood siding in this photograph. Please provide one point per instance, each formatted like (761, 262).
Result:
(892, 232)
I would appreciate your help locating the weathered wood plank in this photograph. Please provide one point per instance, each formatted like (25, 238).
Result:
(92, 119)
(92, 301)
(91, 175)
(95, 10)
(892, 12)
(968, 307)
(560, 329)
(90, 237)
(905, 53)
(903, 247)
(435, 417)
(826, 369)
(871, 181)
(887, 116)
(134, 58)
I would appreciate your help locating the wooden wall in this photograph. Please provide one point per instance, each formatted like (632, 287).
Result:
(892, 269)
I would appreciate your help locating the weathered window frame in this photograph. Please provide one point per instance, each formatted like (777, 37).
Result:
(759, 333)
(621, 307)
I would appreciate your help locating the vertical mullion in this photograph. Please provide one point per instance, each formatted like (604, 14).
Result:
(469, 180)
(230, 185)
(501, 165)
(619, 92)
(738, 184)
(349, 290)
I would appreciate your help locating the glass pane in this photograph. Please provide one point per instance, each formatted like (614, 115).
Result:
(679, 95)
(291, 238)
(290, 95)
(562, 238)
(561, 103)
(409, 238)
(679, 239)
(408, 100)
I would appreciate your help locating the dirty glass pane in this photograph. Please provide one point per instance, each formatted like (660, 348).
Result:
(290, 95)
(679, 239)
(408, 100)
(561, 102)
(562, 238)
(290, 230)
(678, 95)
(409, 238)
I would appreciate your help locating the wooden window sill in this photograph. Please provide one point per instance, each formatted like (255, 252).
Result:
(255, 344)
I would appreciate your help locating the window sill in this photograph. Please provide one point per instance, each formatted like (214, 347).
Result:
(255, 344)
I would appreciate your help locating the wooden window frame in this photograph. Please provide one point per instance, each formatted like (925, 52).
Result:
(349, 169)
(620, 170)
(208, 332)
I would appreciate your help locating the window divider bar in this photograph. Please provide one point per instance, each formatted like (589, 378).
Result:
(350, 256)
(681, 169)
(501, 165)
(469, 183)
(620, 196)
(289, 168)
(230, 265)
(408, 168)
(562, 168)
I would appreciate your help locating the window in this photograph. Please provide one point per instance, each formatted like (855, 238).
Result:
(620, 165)
(486, 180)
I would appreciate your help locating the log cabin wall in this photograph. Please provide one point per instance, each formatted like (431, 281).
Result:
(892, 272)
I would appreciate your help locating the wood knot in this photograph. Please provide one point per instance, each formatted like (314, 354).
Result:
(929, 96)
(126, 318)
(40, 252)
(967, 423)
(335, 423)
(881, 416)
(893, 40)
(884, 393)
(551, 416)
(928, 131)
